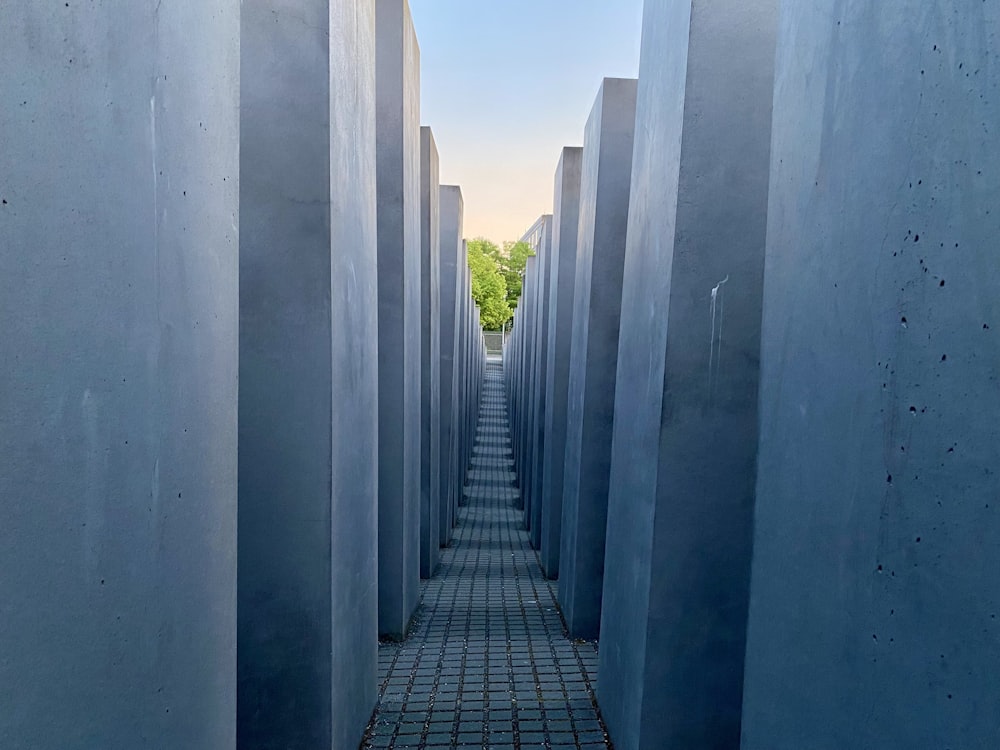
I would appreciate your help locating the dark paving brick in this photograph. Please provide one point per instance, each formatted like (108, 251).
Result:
(488, 664)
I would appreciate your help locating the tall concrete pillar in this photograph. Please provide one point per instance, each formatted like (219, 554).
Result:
(308, 470)
(514, 366)
(468, 306)
(514, 347)
(565, 226)
(456, 470)
(874, 607)
(606, 170)
(430, 356)
(119, 211)
(527, 372)
(398, 150)
(516, 410)
(682, 479)
(538, 398)
(451, 211)
(528, 481)
(468, 430)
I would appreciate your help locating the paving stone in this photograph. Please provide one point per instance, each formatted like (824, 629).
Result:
(488, 663)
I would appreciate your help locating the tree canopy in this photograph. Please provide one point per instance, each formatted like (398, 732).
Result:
(496, 278)
(511, 262)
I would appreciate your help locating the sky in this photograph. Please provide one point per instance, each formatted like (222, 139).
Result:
(505, 84)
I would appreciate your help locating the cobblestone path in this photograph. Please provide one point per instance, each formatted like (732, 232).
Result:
(488, 663)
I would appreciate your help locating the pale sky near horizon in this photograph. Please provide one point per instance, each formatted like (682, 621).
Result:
(505, 85)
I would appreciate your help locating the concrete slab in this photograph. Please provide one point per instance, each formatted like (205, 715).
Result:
(682, 483)
(523, 411)
(119, 180)
(451, 212)
(471, 336)
(307, 522)
(460, 385)
(604, 199)
(874, 615)
(455, 471)
(398, 155)
(430, 356)
(565, 226)
(538, 396)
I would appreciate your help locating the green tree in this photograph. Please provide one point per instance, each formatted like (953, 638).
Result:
(489, 286)
(511, 261)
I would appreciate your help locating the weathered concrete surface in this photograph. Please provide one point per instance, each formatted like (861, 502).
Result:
(604, 199)
(874, 612)
(565, 226)
(307, 521)
(430, 356)
(683, 474)
(451, 213)
(398, 156)
(119, 166)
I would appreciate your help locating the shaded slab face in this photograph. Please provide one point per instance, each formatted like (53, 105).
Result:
(685, 445)
(604, 197)
(451, 213)
(878, 477)
(398, 159)
(308, 395)
(565, 225)
(119, 239)
(430, 356)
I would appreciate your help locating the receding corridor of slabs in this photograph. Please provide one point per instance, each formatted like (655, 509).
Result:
(488, 663)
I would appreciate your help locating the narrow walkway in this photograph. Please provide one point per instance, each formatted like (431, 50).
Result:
(489, 664)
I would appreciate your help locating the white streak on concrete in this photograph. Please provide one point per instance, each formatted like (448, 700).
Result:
(715, 340)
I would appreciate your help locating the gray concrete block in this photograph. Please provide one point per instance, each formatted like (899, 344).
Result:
(398, 157)
(430, 356)
(522, 453)
(451, 212)
(513, 370)
(455, 470)
(518, 378)
(565, 226)
(683, 468)
(521, 415)
(467, 426)
(874, 605)
(538, 395)
(307, 521)
(606, 170)
(119, 180)
(465, 301)
(459, 416)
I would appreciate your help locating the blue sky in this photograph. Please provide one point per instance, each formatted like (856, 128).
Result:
(506, 84)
